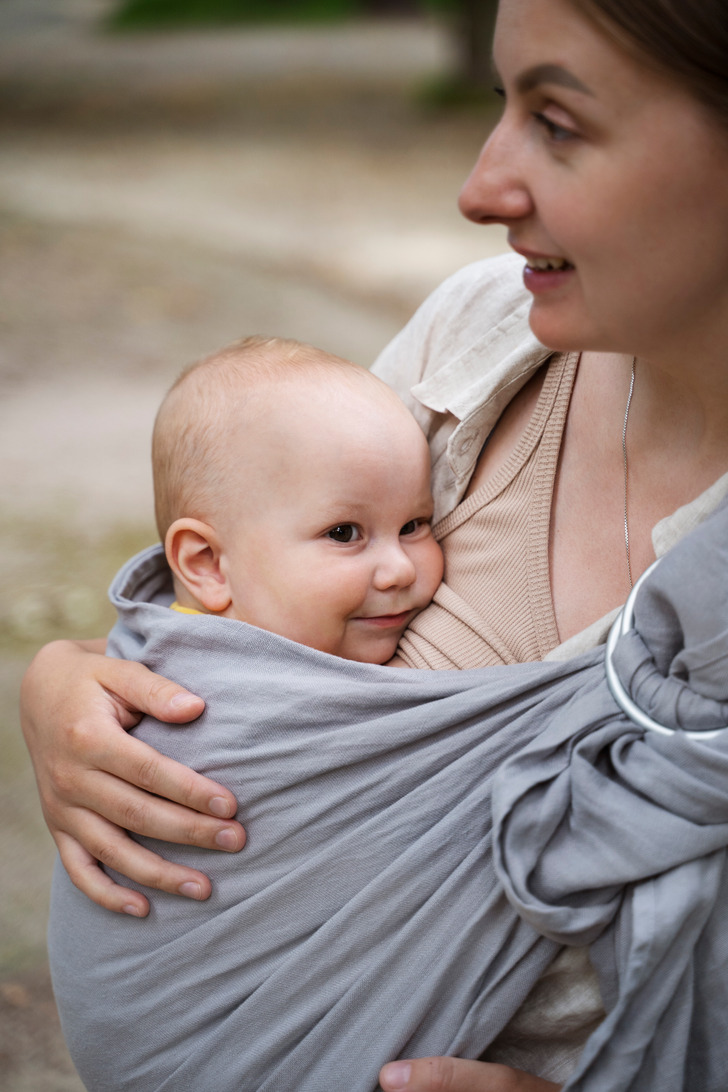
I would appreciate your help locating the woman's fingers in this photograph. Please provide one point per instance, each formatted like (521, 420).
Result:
(135, 763)
(88, 876)
(73, 707)
(437, 1075)
(137, 690)
(128, 689)
(87, 841)
(126, 806)
(144, 867)
(458, 1075)
(96, 781)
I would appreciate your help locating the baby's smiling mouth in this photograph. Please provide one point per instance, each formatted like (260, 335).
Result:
(387, 620)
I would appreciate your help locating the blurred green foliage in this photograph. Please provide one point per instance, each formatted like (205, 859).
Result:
(132, 14)
(58, 588)
(470, 23)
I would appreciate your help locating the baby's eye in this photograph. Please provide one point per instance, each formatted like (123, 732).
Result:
(344, 532)
(412, 526)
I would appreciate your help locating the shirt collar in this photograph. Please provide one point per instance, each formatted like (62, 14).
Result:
(477, 385)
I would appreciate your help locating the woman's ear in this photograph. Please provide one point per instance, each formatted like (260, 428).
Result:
(193, 552)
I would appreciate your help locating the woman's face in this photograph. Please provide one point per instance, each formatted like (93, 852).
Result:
(613, 183)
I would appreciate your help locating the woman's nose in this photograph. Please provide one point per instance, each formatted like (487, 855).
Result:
(395, 569)
(495, 191)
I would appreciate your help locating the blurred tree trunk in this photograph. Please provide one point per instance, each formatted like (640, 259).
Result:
(474, 22)
(391, 7)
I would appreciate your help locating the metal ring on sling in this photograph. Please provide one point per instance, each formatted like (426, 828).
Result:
(622, 625)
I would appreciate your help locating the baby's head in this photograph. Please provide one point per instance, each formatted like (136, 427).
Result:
(292, 492)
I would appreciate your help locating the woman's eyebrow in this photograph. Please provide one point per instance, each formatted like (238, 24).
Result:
(550, 73)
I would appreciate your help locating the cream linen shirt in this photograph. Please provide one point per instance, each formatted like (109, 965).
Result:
(457, 364)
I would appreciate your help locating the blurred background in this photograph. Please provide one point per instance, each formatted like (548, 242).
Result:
(175, 174)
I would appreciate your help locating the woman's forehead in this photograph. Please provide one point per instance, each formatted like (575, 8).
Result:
(560, 44)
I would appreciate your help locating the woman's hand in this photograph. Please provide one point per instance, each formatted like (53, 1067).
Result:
(458, 1075)
(96, 781)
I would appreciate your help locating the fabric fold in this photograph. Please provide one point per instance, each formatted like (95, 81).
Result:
(618, 836)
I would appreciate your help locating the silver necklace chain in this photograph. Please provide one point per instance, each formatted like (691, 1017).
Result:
(626, 480)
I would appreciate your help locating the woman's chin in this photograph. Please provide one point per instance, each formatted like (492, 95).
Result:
(559, 330)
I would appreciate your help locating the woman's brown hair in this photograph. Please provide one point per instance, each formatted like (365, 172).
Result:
(686, 38)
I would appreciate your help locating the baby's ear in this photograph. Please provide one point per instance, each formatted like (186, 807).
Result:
(193, 552)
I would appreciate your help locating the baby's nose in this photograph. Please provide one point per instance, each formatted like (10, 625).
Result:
(395, 569)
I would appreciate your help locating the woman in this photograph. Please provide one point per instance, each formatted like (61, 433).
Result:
(610, 169)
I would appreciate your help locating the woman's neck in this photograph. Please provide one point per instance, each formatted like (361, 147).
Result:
(678, 420)
(676, 445)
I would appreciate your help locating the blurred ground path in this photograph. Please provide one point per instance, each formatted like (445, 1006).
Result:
(159, 196)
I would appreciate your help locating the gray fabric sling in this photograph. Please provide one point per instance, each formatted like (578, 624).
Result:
(366, 918)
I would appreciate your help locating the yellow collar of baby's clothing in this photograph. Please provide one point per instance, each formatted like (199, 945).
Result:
(183, 610)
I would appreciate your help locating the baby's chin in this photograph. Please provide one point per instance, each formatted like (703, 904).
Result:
(384, 655)
(396, 661)
(388, 658)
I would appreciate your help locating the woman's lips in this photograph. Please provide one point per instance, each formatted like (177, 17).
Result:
(544, 274)
(545, 279)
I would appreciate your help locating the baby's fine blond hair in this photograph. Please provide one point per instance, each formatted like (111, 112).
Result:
(219, 395)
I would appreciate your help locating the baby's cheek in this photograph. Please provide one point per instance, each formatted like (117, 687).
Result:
(433, 569)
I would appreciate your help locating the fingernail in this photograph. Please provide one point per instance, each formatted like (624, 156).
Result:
(133, 910)
(226, 839)
(397, 1074)
(219, 806)
(190, 890)
(181, 701)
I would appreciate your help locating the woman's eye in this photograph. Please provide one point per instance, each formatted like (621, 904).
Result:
(555, 132)
(344, 532)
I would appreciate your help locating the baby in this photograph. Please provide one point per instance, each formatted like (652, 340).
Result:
(292, 492)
